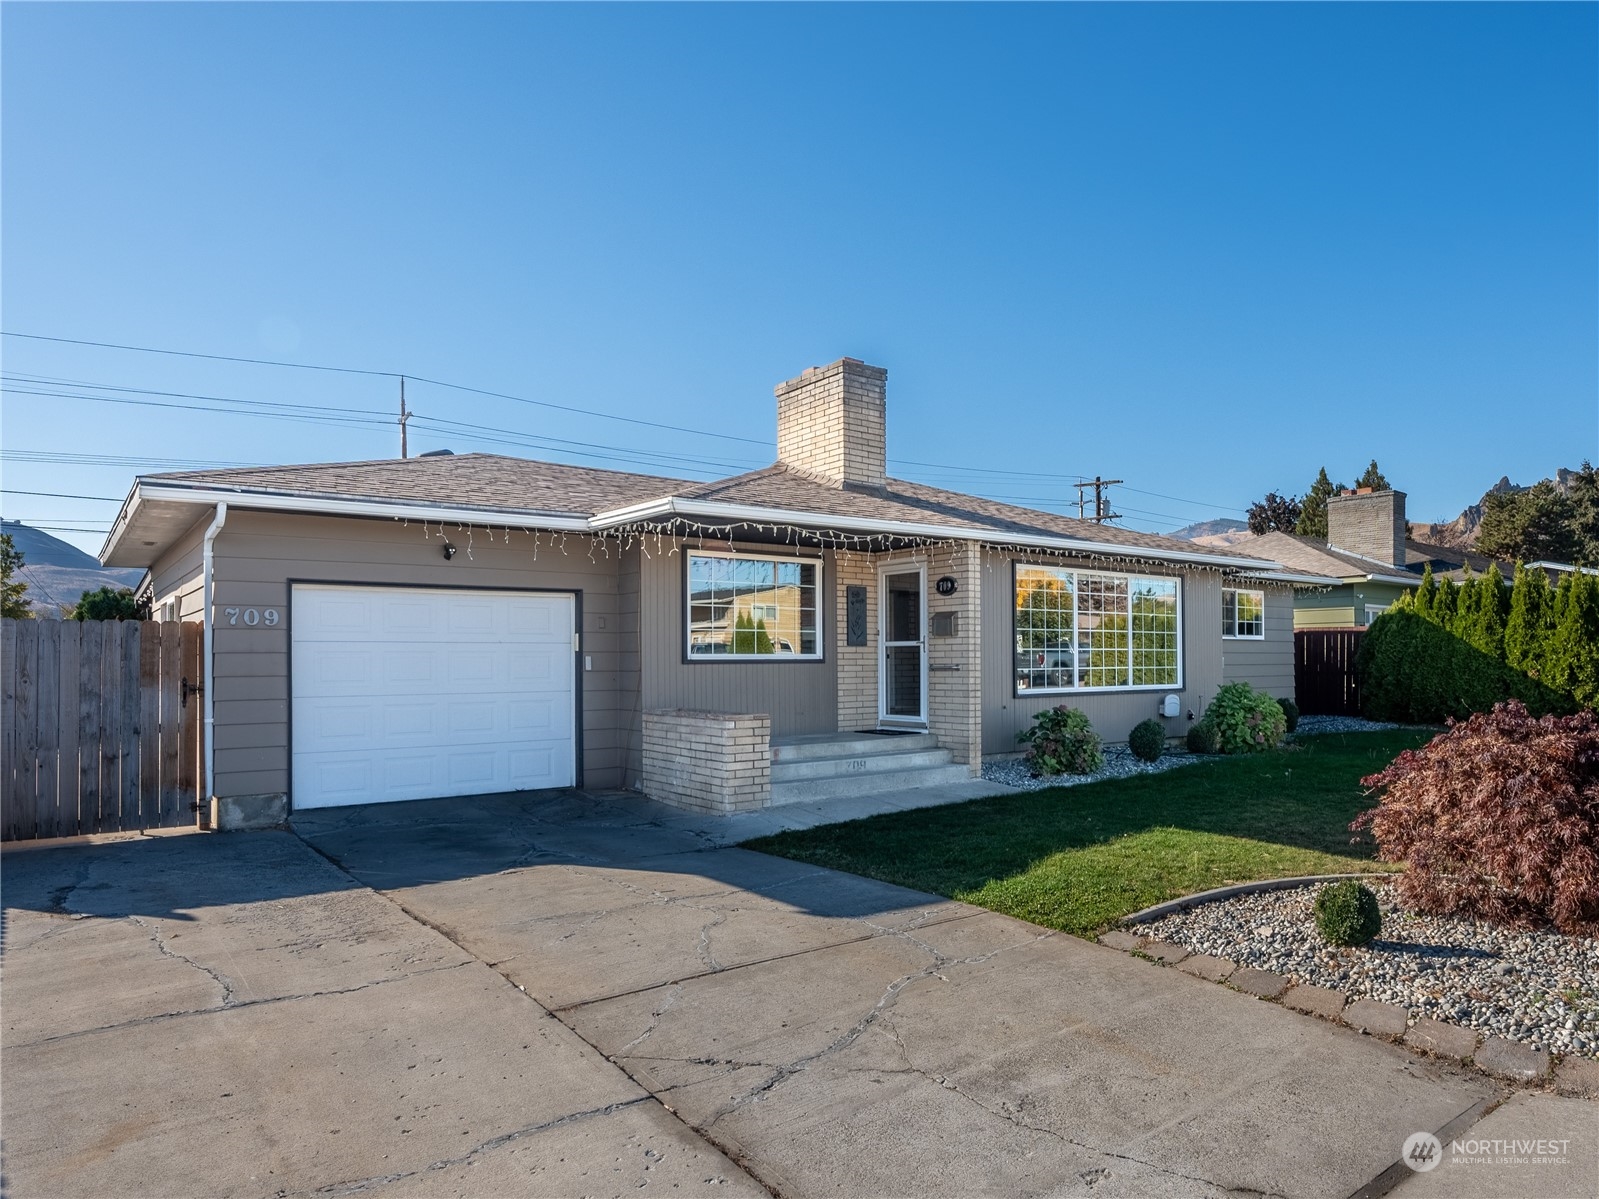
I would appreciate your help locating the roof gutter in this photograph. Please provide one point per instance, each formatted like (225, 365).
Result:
(272, 501)
(710, 509)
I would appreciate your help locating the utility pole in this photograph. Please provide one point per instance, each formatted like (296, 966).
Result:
(1102, 509)
(404, 416)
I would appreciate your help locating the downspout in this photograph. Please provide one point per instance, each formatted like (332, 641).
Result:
(209, 690)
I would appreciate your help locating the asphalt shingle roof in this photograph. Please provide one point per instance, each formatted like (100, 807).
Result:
(493, 481)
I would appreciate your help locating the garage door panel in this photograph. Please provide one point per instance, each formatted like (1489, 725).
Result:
(429, 693)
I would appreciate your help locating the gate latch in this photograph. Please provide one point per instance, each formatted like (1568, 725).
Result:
(186, 689)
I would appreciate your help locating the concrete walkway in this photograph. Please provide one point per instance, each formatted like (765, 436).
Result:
(581, 995)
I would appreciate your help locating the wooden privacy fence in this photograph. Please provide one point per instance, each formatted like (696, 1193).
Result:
(101, 726)
(1324, 671)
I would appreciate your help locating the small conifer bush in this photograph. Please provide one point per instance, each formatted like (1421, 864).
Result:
(1203, 738)
(1147, 740)
(1347, 913)
(1290, 713)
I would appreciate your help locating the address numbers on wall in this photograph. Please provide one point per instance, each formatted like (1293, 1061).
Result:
(251, 618)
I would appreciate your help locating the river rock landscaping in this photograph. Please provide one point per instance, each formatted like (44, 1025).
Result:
(1539, 988)
(1120, 763)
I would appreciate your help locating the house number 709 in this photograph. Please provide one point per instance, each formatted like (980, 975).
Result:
(251, 616)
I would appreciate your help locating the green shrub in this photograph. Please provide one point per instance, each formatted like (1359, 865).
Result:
(1290, 714)
(1063, 742)
(1246, 720)
(1203, 738)
(1147, 740)
(1347, 913)
(1413, 670)
(108, 603)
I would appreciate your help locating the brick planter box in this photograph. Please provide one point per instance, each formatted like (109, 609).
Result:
(708, 761)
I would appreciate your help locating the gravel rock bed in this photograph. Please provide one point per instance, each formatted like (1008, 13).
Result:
(1119, 764)
(1310, 726)
(1540, 988)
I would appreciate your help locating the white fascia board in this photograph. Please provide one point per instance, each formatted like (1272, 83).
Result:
(713, 510)
(1568, 567)
(1288, 576)
(1401, 580)
(269, 501)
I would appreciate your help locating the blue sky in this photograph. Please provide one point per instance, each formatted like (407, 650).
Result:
(1205, 249)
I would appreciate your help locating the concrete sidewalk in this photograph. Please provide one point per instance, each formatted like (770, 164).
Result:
(582, 994)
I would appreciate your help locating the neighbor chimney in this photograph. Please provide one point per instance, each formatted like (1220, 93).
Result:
(831, 424)
(1368, 523)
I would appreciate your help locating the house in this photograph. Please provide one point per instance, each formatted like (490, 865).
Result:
(454, 625)
(1370, 555)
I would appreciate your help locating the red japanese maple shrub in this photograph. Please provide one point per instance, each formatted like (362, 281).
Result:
(1498, 817)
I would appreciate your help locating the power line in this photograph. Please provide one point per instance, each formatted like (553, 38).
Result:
(60, 495)
(346, 370)
(71, 458)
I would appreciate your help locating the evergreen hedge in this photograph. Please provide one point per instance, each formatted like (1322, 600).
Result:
(1449, 651)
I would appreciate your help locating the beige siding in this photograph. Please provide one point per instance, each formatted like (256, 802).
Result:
(1267, 664)
(176, 575)
(800, 697)
(257, 554)
(1005, 713)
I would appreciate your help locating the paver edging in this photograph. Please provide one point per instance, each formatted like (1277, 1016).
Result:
(1551, 1076)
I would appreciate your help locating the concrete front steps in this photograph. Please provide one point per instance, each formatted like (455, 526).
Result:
(842, 765)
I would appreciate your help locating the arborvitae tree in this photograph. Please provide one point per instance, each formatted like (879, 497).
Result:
(1528, 626)
(1446, 604)
(763, 639)
(1313, 508)
(1372, 478)
(1427, 595)
(1573, 661)
(1488, 611)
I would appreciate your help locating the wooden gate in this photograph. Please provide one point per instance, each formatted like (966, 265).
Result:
(101, 726)
(1324, 671)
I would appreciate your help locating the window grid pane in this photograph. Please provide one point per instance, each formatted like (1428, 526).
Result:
(752, 607)
(1243, 613)
(1092, 629)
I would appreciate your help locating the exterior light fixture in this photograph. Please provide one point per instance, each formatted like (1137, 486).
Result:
(449, 551)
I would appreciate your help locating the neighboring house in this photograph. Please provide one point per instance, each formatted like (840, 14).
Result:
(456, 625)
(1369, 554)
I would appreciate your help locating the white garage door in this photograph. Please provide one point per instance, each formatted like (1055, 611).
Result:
(419, 693)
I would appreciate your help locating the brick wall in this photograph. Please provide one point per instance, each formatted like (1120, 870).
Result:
(832, 423)
(708, 761)
(954, 676)
(857, 664)
(1371, 525)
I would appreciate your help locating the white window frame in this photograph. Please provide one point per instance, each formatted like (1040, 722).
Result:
(1021, 692)
(1373, 611)
(1235, 635)
(815, 560)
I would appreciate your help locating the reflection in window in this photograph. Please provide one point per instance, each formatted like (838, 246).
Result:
(1094, 629)
(746, 606)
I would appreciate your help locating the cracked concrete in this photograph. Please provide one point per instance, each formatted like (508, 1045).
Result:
(560, 995)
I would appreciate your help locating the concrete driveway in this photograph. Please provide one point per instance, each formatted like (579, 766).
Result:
(582, 995)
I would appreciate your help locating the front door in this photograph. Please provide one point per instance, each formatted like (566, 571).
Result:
(902, 625)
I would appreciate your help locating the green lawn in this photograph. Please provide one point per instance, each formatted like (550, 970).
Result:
(1079, 858)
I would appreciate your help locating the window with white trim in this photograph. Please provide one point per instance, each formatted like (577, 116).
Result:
(1243, 613)
(1085, 629)
(752, 607)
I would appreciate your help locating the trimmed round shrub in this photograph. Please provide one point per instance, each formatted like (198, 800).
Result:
(1347, 913)
(1203, 738)
(1497, 819)
(1246, 720)
(1063, 742)
(1147, 740)
(1290, 713)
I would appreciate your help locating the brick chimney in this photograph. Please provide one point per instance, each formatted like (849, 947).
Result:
(1368, 523)
(832, 424)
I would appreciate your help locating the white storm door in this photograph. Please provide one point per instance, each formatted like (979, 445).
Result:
(423, 693)
(902, 629)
